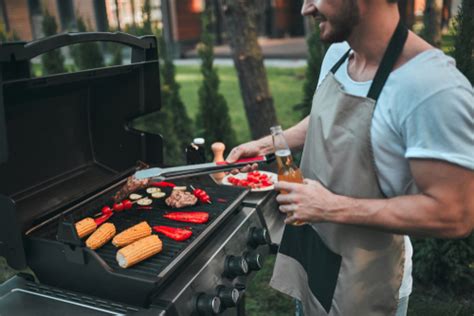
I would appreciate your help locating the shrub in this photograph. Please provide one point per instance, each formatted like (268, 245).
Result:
(86, 55)
(213, 120)
(53, 61)
(316, 51)
(448, 264)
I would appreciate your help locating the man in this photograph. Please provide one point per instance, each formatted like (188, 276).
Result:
(388, 151)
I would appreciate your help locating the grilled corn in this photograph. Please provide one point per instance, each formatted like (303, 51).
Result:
(132, 234)
(85, 227)
(139, 251)
(101, 236)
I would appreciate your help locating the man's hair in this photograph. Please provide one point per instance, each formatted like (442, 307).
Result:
(392, 1)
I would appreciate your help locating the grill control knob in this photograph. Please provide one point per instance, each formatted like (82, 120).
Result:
(229, 295)
(258, 236)
(208, 304)
(254, 260)
(235, 266)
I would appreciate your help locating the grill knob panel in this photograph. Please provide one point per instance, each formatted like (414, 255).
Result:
(235, 266)
(254, 260)
(258, 236)
(208, 304)
(229, 295)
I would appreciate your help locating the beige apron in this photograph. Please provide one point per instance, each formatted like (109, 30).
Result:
(343, 269)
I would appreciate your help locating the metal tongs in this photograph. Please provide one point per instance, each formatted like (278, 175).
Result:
(161, 174)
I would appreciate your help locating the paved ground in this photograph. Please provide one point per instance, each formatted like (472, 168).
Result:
(280, 48)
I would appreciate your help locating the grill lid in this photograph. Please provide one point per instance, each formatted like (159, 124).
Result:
(63, 137)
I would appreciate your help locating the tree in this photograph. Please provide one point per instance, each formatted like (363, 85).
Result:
(213, 120)
(86, 55)
(432, 22)
(53, 61)
(173, 106)
(316, 51)
(240, 22)
(464, 40)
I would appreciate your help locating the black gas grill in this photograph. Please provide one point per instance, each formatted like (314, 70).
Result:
(66, 146)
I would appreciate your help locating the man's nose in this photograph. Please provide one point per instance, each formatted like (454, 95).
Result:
(309, 8)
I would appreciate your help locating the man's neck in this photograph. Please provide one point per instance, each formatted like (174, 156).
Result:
(371, 36)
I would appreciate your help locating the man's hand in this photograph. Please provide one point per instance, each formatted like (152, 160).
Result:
(250, 149)
(307, 202)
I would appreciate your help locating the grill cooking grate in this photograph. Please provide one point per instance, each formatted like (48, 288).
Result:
(222, 198)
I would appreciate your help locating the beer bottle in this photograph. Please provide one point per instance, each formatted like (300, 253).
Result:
(287, 170)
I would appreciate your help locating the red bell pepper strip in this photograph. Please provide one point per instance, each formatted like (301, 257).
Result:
(189, 217)
(102, 219)
(179, 234)
(163, 184)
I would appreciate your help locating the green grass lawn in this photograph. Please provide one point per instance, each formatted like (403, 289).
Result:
(285, 85)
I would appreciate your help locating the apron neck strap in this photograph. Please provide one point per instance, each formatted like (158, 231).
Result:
(393, 51)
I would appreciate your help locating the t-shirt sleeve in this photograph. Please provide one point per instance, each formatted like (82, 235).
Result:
(442, 127)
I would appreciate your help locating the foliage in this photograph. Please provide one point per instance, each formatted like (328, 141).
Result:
(431, 31)
(213, 120)
(7, 36)
(86, 55)
(178, 134)
(53, 61)
(448, 264)
(464, 39)
(316, 51)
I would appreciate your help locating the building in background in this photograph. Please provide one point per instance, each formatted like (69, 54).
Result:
(179, 19)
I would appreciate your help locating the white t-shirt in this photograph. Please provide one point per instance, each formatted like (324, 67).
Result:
(425, 110)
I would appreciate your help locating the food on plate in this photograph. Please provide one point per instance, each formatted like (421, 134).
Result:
(101, 236)
(202, 196)
(179, 199)
(253, 180)
(188, 217)
(144, 202)
(85, 227)
(139, 250)
(135, 196)
(179, 234)
(132, 234)
(158, 195)
(133, 184)
(152, 190)
(180, 188)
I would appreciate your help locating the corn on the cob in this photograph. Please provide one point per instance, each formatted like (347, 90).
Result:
(101, 236)
(85, 227)
(131, 234)
(139, 251)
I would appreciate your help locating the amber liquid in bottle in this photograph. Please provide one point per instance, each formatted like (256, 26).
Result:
(287, 170)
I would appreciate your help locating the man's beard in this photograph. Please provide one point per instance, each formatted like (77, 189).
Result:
(341, 25)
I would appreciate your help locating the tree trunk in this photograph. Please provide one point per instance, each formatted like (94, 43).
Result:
(407, 12)
(240, 22)
(432, 21)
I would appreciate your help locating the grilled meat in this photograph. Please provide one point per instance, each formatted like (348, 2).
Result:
(179, 199)
(132, 185)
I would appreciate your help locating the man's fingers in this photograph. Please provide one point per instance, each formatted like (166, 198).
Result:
(234, 154)
(285, 198)
(285, 208)
(285, 186)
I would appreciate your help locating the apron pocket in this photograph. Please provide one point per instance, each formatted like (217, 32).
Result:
(321, 264)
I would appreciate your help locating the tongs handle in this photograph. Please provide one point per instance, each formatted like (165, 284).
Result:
(200, 169)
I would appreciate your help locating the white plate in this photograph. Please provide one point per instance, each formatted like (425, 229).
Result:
(271, 176)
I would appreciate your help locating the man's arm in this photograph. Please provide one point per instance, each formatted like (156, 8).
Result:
(294, 136)
(444, 208)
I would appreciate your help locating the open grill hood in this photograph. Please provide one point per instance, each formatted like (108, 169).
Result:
(65, 137)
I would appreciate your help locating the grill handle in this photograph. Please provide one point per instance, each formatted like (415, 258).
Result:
(22, 51)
